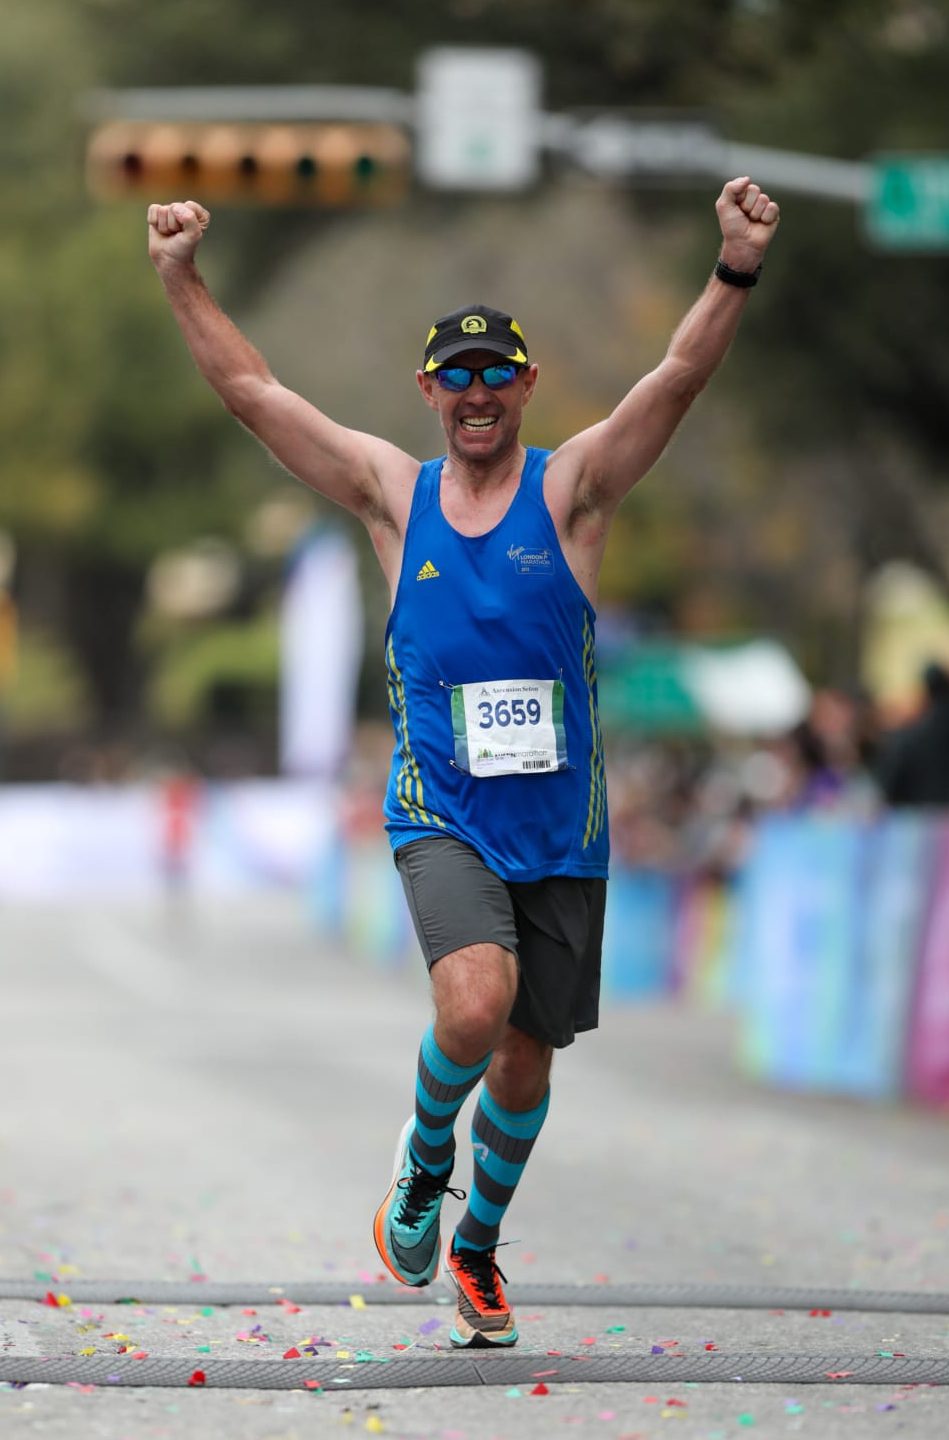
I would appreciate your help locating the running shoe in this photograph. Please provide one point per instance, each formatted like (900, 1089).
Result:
(406, 1228)
(483, 1317)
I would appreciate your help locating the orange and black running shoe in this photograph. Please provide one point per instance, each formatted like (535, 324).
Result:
(405, 1228)
(483, 1317)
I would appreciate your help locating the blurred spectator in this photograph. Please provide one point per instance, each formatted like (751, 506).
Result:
(817, 781)
(689, 804)
(179, 797)
(913, 766)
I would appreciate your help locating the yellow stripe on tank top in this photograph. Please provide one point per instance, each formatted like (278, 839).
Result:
(409, 774)
(397, 700)
(401, 777)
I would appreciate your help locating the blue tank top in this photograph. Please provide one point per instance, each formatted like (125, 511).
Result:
(469, 611)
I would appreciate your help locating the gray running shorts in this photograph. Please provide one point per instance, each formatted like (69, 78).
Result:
(553, 926)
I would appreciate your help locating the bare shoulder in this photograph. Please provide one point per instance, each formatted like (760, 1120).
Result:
(581, 521)
(387, 503)
(396, 473)
(570, 482)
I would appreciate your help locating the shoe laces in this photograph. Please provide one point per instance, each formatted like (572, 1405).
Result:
(484, 1272)
(422, 1190)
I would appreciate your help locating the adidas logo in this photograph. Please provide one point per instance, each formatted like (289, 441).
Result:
(428, 572)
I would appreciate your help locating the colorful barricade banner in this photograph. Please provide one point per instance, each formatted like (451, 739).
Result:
(378, 926)
(79, 842)
(260, 834)
(799, 938)
(842, 963)
(893, 897)
(639, 934)
(703, 959)
(928, 1061)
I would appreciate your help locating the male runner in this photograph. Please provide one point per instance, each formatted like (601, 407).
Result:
(496, 807)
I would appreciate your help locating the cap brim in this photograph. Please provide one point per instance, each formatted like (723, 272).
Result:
(465, 347)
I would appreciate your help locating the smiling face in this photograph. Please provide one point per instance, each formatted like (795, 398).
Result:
(481, 426)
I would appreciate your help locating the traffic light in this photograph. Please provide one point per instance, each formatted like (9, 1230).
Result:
(332, 165)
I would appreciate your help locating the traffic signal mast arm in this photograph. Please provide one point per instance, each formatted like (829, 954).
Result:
(602, 464)
(344, 465)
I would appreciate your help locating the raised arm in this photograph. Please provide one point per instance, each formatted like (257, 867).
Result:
(360, 472)
(600, 465)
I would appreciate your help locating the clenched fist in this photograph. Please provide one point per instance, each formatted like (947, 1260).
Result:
(748, 220)
(174, 231)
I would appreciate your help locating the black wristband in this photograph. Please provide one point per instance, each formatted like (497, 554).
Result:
(744, 279)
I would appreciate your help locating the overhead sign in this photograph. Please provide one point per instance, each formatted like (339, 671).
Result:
(908, 206)
(478, 119)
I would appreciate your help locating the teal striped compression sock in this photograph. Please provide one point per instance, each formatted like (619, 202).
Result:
(441, 1089)
(502, 1141)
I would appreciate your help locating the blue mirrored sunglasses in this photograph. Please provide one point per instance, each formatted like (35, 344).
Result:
(459, 377)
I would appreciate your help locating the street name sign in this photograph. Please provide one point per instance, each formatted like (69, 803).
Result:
(908, 204)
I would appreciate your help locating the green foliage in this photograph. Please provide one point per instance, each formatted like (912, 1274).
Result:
(104, 427)
(112, 440)
(45, 65)
(50, 694)
(199, 659)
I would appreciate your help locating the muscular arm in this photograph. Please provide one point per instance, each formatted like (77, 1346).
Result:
(360, 472)
(593, 471)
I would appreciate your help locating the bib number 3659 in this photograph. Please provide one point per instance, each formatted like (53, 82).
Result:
(502, 713)
(509, 727)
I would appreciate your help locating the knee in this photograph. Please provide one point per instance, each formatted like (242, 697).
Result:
(473, 990)
(519, 1074)
(474, 1024)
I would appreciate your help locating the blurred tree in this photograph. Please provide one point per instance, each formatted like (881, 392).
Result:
(858, 333)
(112, 451)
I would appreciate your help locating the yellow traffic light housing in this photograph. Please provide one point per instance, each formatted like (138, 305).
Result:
(332, 165)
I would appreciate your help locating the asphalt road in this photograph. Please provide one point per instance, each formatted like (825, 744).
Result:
(210, 1094)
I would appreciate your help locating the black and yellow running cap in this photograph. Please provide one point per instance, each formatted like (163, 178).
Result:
(474, 327)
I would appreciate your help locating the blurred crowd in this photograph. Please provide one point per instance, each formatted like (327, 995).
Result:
(680, 803)
(691, 804)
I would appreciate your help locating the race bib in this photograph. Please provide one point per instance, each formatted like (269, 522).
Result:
(509, 727)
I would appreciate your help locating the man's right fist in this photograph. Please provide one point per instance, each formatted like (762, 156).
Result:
(174, 231)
